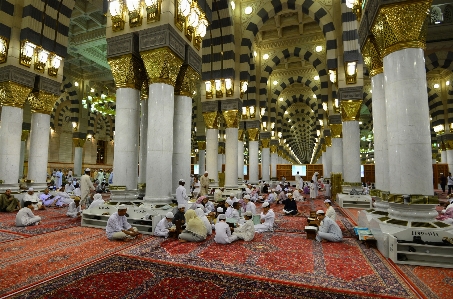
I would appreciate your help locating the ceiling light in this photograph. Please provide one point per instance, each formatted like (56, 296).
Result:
(318, 49)
(286, 112)
(360, 122)
(248, 10)
(281, 99)
(233, 5)
(314, 96)
(254, 53)
(265, 56)
(289, 120)
(275, 82)
(316, 77)
(371, 91)
(76, 84)
(447, 83)
(436, 85)
(92, 90)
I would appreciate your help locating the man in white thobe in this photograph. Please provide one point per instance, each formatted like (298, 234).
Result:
(163, 227)
(32, 197)
(97, 201)
(100, 176)
(204, 183)
(25, 216)
(63, 198)
(245, 231)
(297, 195)
(330, 212)
(58, 179)
(181, 195)
(74, 209)
(86, 186)
(118, 228)
(47, 198)
(267, 219)
(223, 231)
(249, 206)
(315, 186)
(297, 178)
(218, 194)
(329, 229)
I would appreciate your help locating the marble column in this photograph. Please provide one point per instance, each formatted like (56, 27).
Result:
(201, 157)
(274, 161)
(39, 147)
(449, 155)
(381, 158)
(161, 107)
(265, 160)
(212, 149)
(10, 143)
(253, 155)
(327, 162)
(220, 157)
(231, 148)
(241, 155)
(443, 156)
(337, 153)
(351, 151)
(408, 126)
(181, 141)
(126, 144)
(78, 155)
(143, 140)
(23, 148)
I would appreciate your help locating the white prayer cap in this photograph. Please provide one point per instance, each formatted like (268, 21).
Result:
(87, 169)
(222, 216)
(273, 190)
(220, 210)
(181, 205)
(182, 181)
(451, 200)
(200, 206)
(320, 212)
(229, 201)
(97, 196)
(327, 200)
(30, 189)
(254, 186)
(248, 213)
(169, 215)
(246, 196)
(289, 193)
(122, 207)
(260, 197)
(205, 172)
(235, 200)
(266, 204)
(232, 195)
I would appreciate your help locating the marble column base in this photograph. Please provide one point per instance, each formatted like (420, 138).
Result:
(12, 187)
(380, 205)
(123, 195)
(38, 187)
(413, 213)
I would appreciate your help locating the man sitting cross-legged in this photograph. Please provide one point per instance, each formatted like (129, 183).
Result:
(245, 231)
(329, 229)
(25, 216)
(8, 203)
(118, 228)
(267, 219)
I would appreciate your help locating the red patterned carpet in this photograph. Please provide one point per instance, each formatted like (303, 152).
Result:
(5, 237)
(52, 220)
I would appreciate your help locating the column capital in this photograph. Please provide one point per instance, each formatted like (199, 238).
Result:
(350, 110)
(337, 130)
(25, 134)
(162, 65)
(201, 145)
(78, 142)
(265, 142)
(372, 57)
(253, 134)
(187, 81)
(42, 102)
(328, 141)
(13, 94)
(221, 150)
(231, 118)
(211, 119)
(127, 71)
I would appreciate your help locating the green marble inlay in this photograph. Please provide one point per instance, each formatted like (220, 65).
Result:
(384, 218)
(397, 222)
(441, 224)
(422, 224)
(380, 213)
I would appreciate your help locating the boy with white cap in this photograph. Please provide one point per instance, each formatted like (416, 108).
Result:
(181, 195)
(328, 230)
(74, 208)
(32, 197)
(223, 231)
(330, 212)
(179, 216)
(163, 227)
(118, 228)
(267, 219)
(249, 206)
(245, 231)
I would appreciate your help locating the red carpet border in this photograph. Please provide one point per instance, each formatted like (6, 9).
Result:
(287, 258)
(122, 277)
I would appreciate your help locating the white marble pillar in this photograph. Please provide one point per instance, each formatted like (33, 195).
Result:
(381, 157)
(143, 141)
(443, 157)
(253, 162)
(39, 148)
(231, 157)
(449, 155)
(182, 141)
(212, 150)
(241, 160)
(201, 161)
(408, 124)
(10, 143)
(265, 163)
(23, 146)
(161, 107)
(274, 162)
(351, 151)
(219, 162)
(126, 144)
(327, 162)
(337, 155)
(78, 154)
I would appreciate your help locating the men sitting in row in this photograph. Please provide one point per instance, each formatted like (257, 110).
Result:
(8, 203)
(25, 216)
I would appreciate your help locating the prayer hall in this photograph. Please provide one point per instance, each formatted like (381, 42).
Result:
(226, 149)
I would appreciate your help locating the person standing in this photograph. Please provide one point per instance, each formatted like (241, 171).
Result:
(443, 182)
(450, 182)
(297, 178)
(195, 187)
(204, 183)
(86, 186)
(58, 179)
(181, 195)
(315, 182)
(100, 176)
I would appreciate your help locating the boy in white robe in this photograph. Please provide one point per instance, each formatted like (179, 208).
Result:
(163, 227)
(249, 206)
(74, 208)
(229, 205)
(297, 195)
(329, 229)
(267, 219)
(25, 216)
(330, 212)
(246, 231)
(223, 231)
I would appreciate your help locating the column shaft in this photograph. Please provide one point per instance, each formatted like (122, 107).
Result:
(337, 155)
(351, 151)
(212, 149)
(10, 143)
(78, 154)
(202, 161)
(143, 141)
(126, 138)
(240, 160)
(327, 162)
(443, 157)
(449, 155)
(181, 141)
(231, 157)
(408, 126)
(39, 147)
(265, 163)
(161, 107)
(219, 162)
(253, 162)
(23, 147)
(274, 162)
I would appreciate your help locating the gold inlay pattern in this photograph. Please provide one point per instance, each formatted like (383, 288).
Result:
(253, 134)
(144, 90)
(42, 102)
(78, 142)
(210, 119)
(231, 118)
(25, 134)
(274, 149)
(324, 147)
(126, 71)
(350, 110)
(13, 94)
(240, 135)
(448, 144)
(221, 150)
(372, 58)
(265, 143)
(187, 81)
(328, 140)
(162, 65)
(337, 130)
(201, 145)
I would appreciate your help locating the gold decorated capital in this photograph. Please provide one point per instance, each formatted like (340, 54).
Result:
(328, 140)
(274, 149)
(323, 147)
(78, 142)
(336, 130)
(42, 102)
(280, 153)
(231, 118)
(401, 25)
(211, 119)
(448, 144)
(162, 65)
(201, 145)
(350, 110)
(24, 135)
(265, 142)
(240, 135)
(221, 150)
(127, 71)
(253, 134)
(13, 94)
(144, 90)
(372, 57)
(187, 81)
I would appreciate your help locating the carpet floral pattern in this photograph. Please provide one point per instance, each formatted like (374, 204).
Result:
(30, 260)
(287, 258)
(123, 277)
(52, 220)
(5, 237)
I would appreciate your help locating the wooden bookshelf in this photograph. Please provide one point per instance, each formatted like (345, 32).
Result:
(369, 173)
(439, 168)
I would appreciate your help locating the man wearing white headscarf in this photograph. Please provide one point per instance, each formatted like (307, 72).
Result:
(97, 202)
(315, 182)
(297, 178)
(181, 195)
(202, 216)
(204, 184)
(163, 227)
(267, 219)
